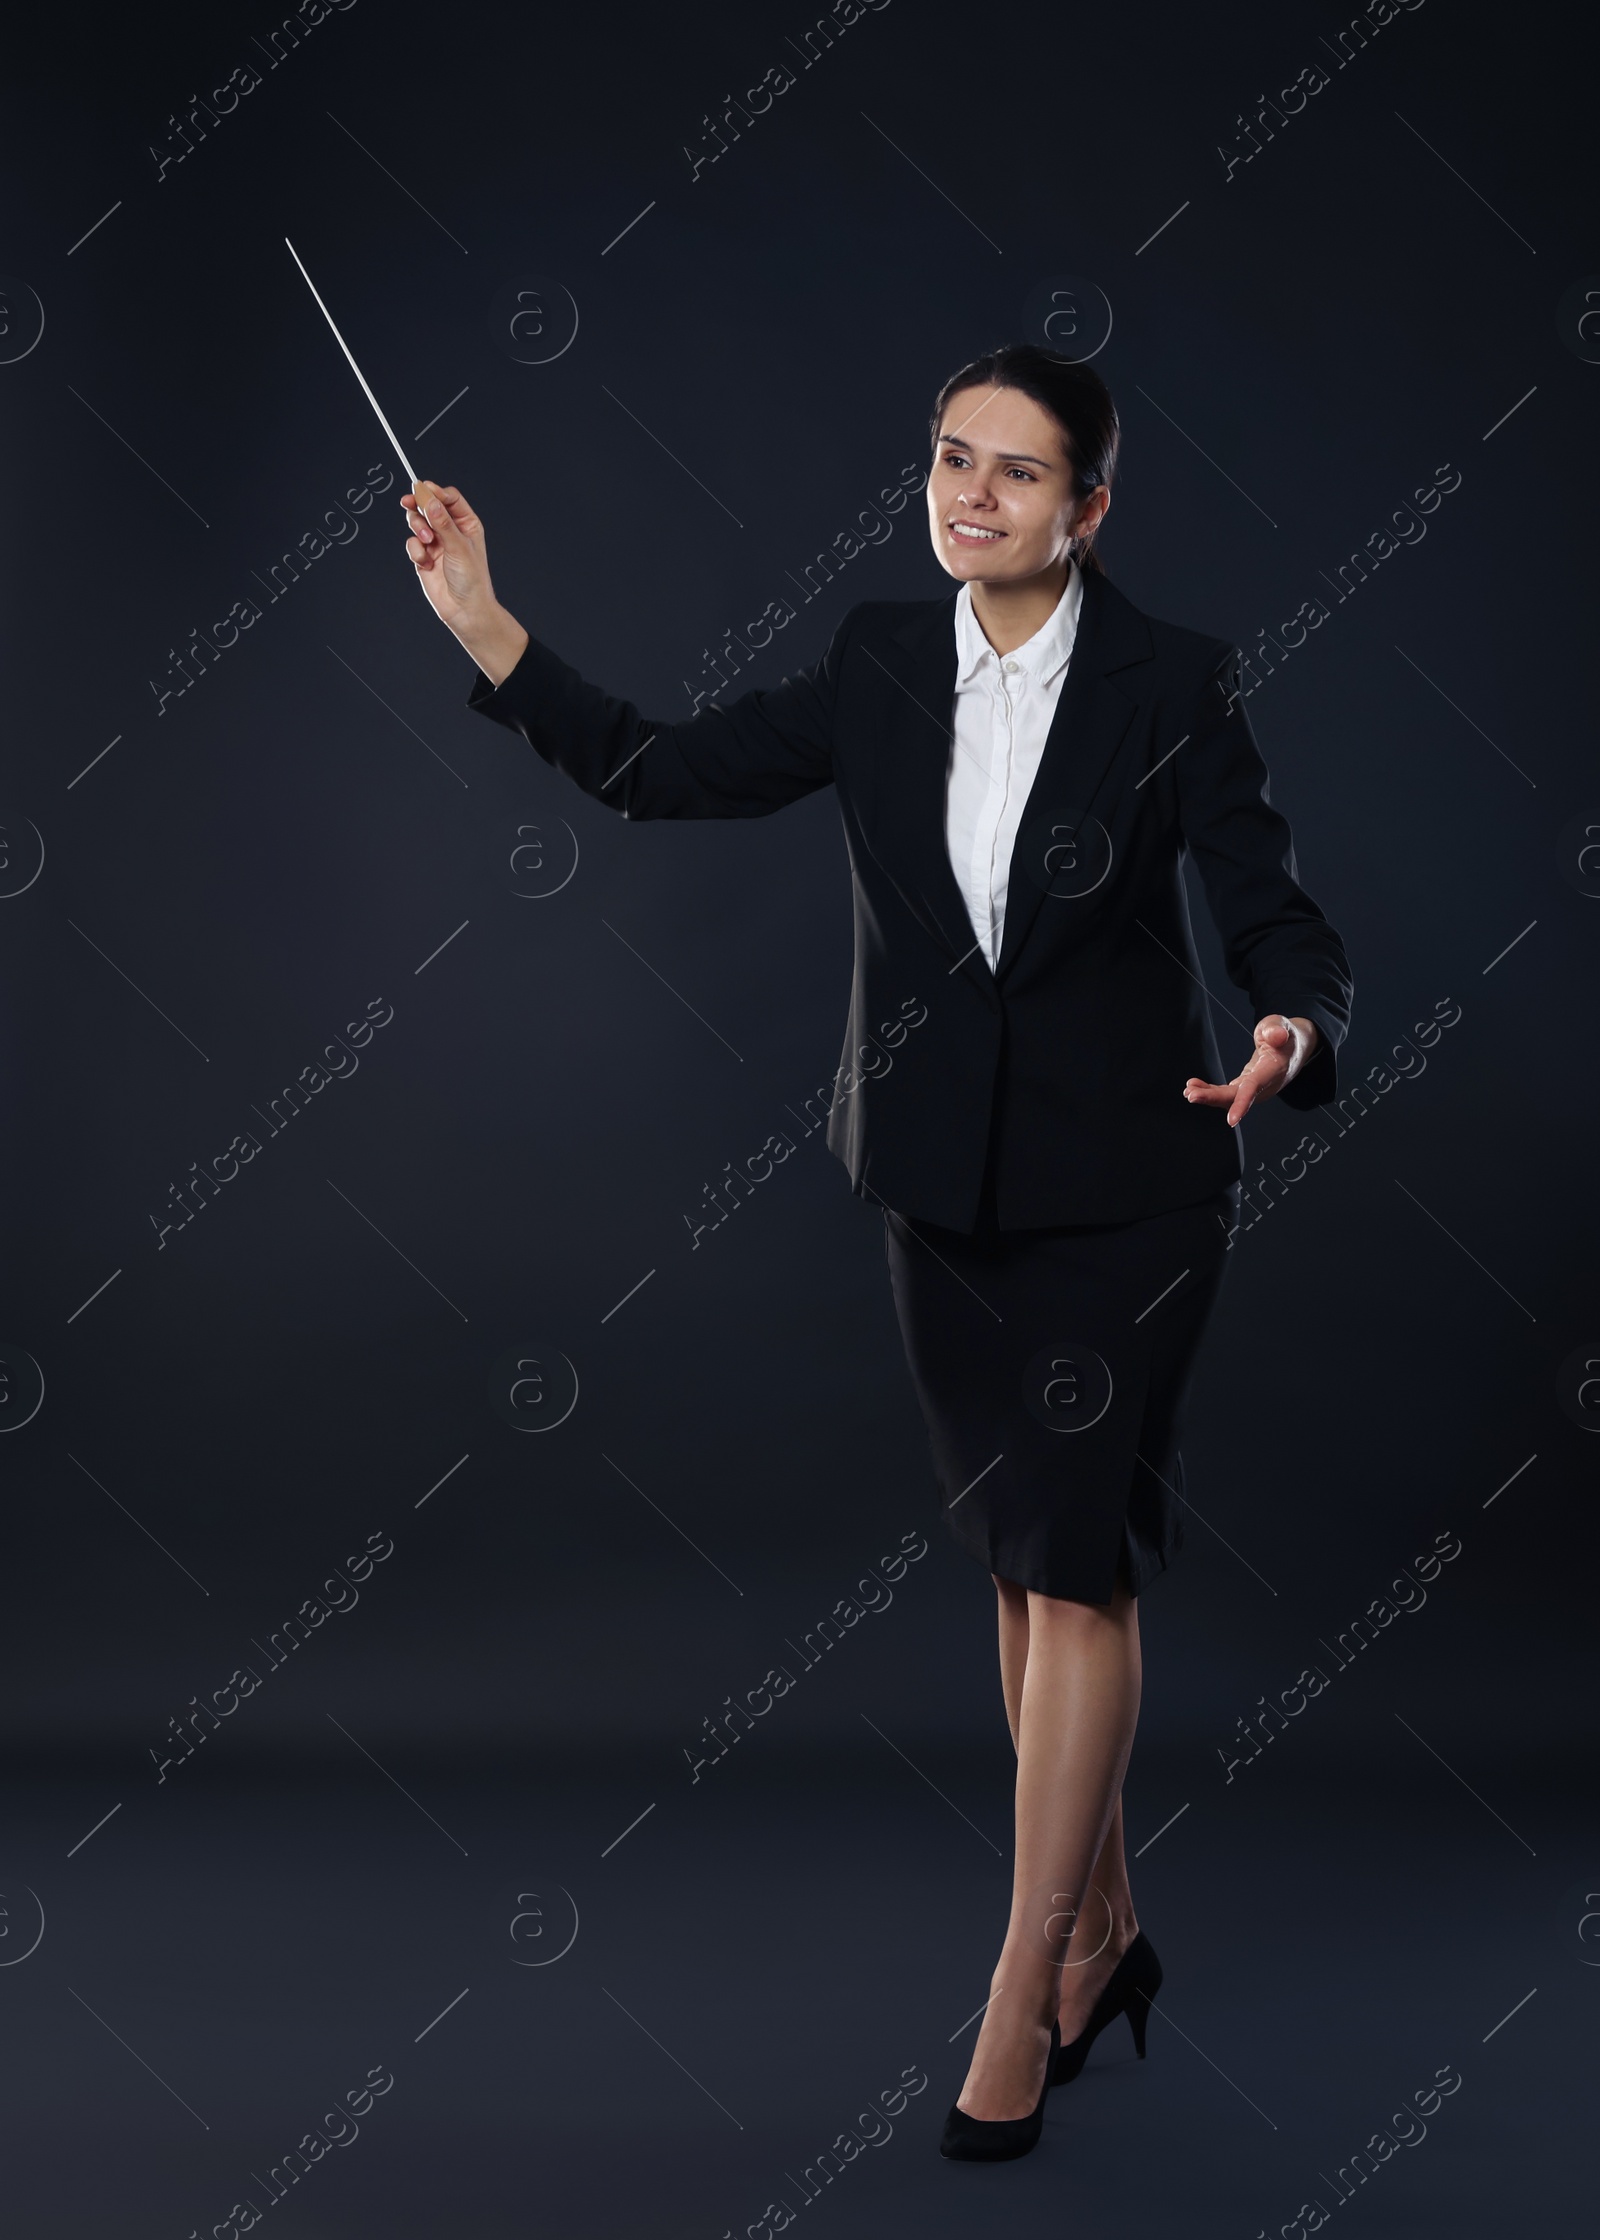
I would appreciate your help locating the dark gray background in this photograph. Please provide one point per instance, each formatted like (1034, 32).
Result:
(1376, 296)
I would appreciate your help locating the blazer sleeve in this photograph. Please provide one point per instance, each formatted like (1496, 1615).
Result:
(1277, 945)
(757, 754)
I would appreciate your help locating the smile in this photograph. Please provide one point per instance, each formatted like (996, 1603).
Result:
(968, 532)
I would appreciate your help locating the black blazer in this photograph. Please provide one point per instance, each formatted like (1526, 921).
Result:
(1095, 1016)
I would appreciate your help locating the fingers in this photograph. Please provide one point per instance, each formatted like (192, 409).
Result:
(1238, 1094)
(1266, 1072)
(1261, 1076)
(441, 522)
(417, 521)
(448, 512)
(1197, 1091)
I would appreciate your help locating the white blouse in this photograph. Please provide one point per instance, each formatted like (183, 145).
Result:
(1000, 721)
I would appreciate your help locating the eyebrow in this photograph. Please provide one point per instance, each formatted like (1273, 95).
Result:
(1028, 455)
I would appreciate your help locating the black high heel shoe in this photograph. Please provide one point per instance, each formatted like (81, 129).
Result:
(1134, 1983)
(970, 2139)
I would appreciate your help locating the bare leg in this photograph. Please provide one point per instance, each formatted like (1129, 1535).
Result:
(1103, 1933)
(1107, 1923)
(1075, 1716)
(1013, 1646)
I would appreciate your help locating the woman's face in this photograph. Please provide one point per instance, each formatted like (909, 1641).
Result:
(1000, 503)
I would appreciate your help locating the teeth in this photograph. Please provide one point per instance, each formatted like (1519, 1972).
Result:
(971, 529)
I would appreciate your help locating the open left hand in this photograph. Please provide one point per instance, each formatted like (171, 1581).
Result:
(1282, 1047)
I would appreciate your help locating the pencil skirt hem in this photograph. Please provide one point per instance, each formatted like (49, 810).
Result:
(1052, 1367)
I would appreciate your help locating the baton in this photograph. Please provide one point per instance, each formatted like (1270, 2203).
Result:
(411, 477)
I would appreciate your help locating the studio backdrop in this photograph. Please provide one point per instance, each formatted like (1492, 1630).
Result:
(445, 1375)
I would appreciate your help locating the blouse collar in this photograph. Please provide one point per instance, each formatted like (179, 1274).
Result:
(1043, 655)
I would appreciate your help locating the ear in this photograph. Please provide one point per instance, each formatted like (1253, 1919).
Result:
(1095, 508)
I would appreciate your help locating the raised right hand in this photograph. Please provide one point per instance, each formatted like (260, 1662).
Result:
(446, 548)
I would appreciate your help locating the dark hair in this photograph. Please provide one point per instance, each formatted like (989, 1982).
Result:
(1076, 399)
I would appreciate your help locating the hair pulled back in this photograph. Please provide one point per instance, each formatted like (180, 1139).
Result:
(1076, 399)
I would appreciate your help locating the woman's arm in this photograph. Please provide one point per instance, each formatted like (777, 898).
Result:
(758, 753)
(1277, 945)
(446, 548)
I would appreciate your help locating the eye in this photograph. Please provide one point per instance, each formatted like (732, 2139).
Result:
(955, 459)
(1023, 472)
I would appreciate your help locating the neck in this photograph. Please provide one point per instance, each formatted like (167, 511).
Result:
(1009, 614)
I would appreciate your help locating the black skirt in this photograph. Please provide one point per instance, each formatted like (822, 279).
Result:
(1051, 1366)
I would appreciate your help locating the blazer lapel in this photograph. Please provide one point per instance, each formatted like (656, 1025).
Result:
(1058, 848)
(907, 832)
(906, 825)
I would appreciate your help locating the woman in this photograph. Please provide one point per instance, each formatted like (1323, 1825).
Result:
(1020, 767)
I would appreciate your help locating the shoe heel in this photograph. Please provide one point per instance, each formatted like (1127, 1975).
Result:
(1138, 2012)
